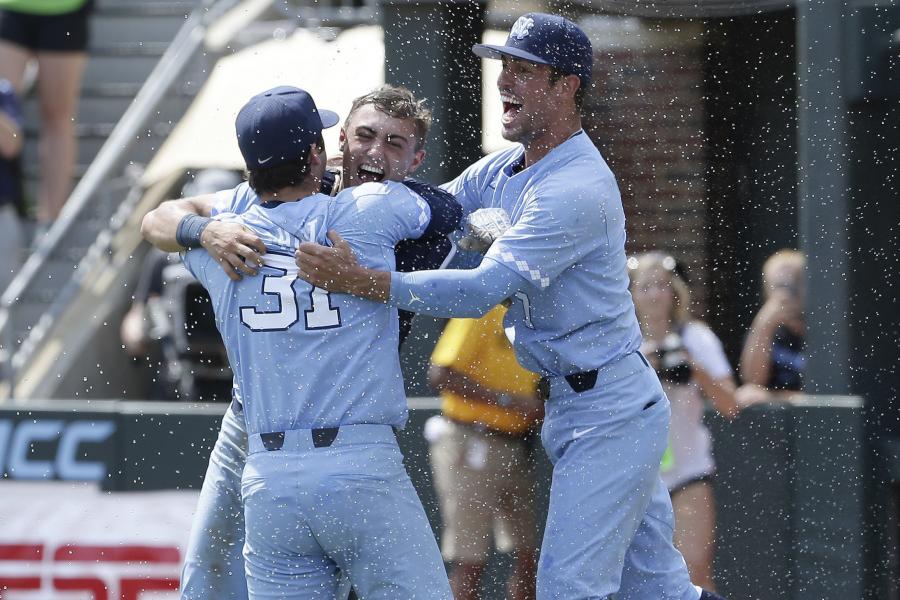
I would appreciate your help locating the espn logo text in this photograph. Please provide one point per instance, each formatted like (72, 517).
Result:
(123, 572)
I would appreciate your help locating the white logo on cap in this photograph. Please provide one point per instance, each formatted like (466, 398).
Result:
(521, 28)
(263, 161)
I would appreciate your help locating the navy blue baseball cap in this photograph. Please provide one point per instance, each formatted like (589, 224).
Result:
(278, 125)
(546, 40)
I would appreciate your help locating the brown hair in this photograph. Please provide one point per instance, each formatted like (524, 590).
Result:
(398, 102)
(269, 181)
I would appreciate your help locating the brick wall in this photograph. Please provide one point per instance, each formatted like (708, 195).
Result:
(645, 113)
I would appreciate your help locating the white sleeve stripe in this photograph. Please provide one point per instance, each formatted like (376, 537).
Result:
(533, 273)
(424, 214)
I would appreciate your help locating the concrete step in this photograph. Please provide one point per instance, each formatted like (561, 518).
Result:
(120, 27)
(119, 69)
(110, 88)
(30, 170)
(129, 48)
(102, 130)
(140, 151)
(143, 7)
(109, 109)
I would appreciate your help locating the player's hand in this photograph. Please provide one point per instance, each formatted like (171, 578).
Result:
(237, 250)
(331, 268)
(483, 227)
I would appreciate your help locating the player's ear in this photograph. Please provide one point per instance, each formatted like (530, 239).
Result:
(572, 83)
(418, 157)
(343, 141)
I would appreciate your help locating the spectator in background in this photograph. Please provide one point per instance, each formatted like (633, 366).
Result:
(55, 32)
(480, 453)
(693, 368)
(773, 358)
(137, 325)
(10, 183)
(148, 324)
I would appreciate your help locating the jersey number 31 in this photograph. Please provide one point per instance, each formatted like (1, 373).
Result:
(319, 315)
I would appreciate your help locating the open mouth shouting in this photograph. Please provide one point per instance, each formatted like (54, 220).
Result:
(369, 173)
(511, 107)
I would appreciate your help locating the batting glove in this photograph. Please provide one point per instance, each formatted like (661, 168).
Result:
(483, 227)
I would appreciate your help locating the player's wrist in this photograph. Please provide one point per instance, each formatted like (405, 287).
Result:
(370, 284)
(189, 230)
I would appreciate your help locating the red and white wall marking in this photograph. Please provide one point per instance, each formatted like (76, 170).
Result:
(70, 541)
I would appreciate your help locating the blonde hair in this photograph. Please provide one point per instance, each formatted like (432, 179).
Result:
(640, 264)
(785, 257)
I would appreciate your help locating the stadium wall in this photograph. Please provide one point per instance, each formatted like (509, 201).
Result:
(99, 495)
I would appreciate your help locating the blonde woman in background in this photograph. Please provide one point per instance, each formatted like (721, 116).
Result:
(774, 359)
(693, 368)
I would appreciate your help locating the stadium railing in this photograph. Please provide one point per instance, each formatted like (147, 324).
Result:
(100, 203)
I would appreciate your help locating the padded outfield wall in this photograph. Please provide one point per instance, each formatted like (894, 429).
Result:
(96, 497)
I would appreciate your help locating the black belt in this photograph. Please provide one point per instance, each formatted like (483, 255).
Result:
(322, 437)
(355, 436)
(274, 440)
(583, 381)
(579, 382)
(586, 380)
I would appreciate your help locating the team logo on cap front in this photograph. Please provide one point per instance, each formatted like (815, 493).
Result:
(521, 28)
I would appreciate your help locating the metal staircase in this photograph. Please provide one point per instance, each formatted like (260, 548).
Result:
(134, 91)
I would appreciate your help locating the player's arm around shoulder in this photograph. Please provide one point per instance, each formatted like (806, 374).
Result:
(556, 218)
(160, 225)
(196, 261)
(558, 226)
(186, 223)
(366, 223)
(588, 206)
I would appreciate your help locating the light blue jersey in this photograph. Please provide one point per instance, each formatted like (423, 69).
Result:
(568, 230)
(307, 362)
(302, 357)
(237, 200)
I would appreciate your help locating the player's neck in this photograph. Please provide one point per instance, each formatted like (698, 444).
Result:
(554, 136)
(292, 193)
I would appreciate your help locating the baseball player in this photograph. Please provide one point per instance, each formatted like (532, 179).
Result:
(562, 264)
(394, 146)
(324, 487)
